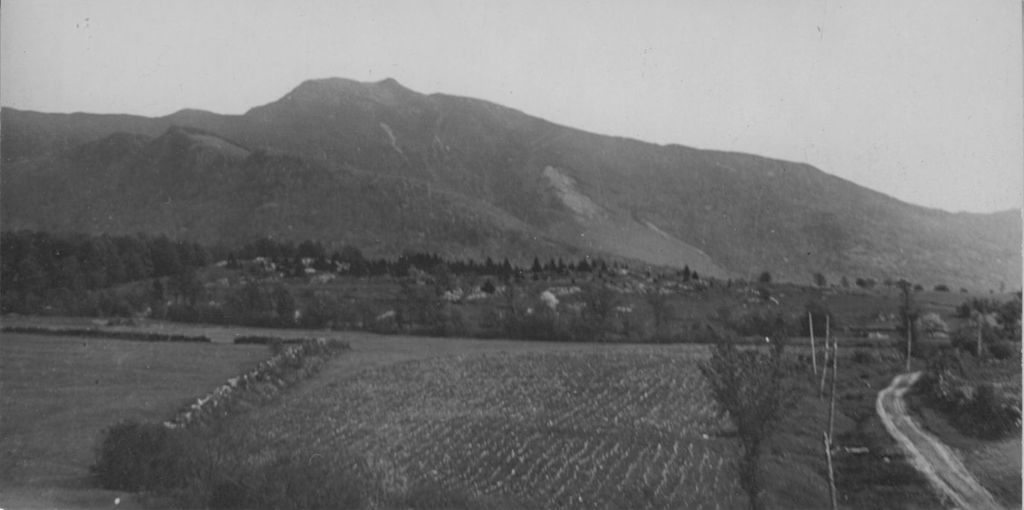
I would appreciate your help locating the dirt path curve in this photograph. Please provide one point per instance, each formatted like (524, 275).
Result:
(929, 455)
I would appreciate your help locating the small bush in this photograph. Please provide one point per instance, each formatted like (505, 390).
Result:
(1004, 350)
(991, 415)
(864, 357)
(135, 456)
(263, 340)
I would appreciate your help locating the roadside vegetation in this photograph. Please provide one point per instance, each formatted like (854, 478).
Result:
(970, 394)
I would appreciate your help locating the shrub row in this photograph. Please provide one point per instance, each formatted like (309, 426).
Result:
(99, 333)
(292, 361)
(202, 468)
(193, 457)
(979, 410)
(266, 340)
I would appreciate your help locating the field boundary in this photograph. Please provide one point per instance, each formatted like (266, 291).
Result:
(113, 335)
(300, 359)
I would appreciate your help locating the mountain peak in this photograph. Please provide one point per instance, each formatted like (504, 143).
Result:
(330, 91)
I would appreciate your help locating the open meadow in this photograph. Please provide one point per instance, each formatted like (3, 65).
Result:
(57, 394)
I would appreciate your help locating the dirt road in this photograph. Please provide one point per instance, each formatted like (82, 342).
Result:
(929, 455)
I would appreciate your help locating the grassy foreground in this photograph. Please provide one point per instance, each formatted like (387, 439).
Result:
(59, 393)
(493, 424)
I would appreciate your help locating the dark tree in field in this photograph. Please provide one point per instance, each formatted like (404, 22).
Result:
(820, 280)
(909, 313)
(765, 277)
(748, 385)
(659, 310)
(488, 287)
(186, 286)
(600, 303)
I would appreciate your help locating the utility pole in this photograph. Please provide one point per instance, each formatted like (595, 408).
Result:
(910, 337)
(908, 316)
(824, 366)
(832, 400)
(814, 355)
(831, 421)
(977, 316)
(831, 472)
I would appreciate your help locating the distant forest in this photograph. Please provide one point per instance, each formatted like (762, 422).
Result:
(75, 273)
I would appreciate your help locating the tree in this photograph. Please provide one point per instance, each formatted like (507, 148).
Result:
(284, 304)
(488, 287)
(354, 258)
(600, 304)
(749, 386)
(908, 318)
(820, 280)
(186, 285)
(660, 310)
(765, 277)
(1009, 316)
(933, 325)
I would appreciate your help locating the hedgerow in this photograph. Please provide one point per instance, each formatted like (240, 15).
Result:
(99, 333)
(185, 456)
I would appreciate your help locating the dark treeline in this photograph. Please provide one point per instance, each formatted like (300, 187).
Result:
(74, 273)
(40, 270)
(294, 259)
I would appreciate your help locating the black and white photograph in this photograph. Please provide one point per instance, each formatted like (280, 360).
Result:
(502, 255)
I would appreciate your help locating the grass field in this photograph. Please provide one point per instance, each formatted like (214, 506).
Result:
(58, 393)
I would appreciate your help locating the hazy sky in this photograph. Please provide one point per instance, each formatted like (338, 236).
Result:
(918, 99)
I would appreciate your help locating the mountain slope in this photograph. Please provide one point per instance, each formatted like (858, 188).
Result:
(474, 176)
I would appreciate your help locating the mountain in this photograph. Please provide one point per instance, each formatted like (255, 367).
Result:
(387, 168)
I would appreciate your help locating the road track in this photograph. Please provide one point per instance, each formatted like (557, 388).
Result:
(929, 455)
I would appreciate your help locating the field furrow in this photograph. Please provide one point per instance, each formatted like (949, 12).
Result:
(560, 430)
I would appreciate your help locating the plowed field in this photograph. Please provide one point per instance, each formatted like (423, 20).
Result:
(609, 429)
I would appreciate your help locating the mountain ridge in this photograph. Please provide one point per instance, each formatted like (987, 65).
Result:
(743, 212)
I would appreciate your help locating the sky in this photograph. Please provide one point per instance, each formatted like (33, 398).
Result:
(919, 99)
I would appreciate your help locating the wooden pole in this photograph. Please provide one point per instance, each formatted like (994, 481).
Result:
(814, 354)
(824, 367)
(832, 400)
(910, 336)
(977, 321)
(824, 372)
(831, 472)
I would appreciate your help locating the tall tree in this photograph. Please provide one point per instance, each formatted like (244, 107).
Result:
(908, 313)
(748, 386)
